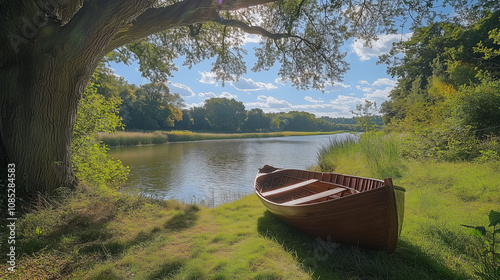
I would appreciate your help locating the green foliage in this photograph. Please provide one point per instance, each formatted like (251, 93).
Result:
(90, 162)
(225, 114)
(448, 94)
(490, 251)
(152, 107)
(479, 107)
(364, 115)
(257, 120)
(446, 51)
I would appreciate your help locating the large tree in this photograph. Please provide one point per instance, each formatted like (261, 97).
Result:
(51, 48)
(224, 114)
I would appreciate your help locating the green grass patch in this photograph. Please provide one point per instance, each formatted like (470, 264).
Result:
(124, 138)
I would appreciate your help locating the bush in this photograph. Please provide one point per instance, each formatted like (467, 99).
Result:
(90, 161)
(479, 107)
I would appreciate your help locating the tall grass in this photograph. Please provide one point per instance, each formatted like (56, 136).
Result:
(377, 156)
(133, 138)
(159, 137)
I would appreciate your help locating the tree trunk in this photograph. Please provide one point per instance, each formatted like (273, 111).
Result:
(38, 106)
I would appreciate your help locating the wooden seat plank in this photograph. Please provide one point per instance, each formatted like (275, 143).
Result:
(313, 197)
(288, 188)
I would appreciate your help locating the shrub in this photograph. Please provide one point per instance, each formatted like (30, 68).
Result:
(90, 162)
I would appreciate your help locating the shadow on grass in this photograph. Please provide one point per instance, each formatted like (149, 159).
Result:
(183, 220)
(85, 237)
(168, 269)
(327, 260)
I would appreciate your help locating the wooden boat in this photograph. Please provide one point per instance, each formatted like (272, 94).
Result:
(341, 208)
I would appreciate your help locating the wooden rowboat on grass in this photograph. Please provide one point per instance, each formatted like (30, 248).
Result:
(341, 208)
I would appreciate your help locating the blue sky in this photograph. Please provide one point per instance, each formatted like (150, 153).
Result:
(265, 90)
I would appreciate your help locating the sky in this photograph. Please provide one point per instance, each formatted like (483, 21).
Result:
(265, 90)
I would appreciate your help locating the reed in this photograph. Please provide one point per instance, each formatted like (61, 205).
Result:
(377, 153)
(133, 138)
(126, 138)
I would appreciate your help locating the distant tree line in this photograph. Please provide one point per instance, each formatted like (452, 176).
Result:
(229, 115)
(153, 107)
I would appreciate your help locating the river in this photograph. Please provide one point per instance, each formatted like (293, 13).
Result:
(213, 171)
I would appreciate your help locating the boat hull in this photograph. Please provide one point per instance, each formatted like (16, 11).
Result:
(371, 218)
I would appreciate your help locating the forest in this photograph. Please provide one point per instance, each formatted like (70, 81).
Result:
(153, 107)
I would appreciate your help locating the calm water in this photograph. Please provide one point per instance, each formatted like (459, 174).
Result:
(213, 171)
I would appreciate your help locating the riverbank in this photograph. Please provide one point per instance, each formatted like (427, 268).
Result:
(106, 235)
(125, 138)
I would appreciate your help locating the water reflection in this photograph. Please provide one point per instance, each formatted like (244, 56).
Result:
(215, 171)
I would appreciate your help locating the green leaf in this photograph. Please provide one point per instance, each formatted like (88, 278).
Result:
(494, 218)
(476, 231)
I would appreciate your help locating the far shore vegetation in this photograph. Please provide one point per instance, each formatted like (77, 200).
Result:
(128, 138)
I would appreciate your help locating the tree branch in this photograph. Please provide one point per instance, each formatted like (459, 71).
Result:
(60, 10)
(155, 20)
(261, 31)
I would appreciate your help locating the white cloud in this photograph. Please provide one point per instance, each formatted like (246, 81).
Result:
(346, 100)
(280, 81)
(270, 102)
(312, 100)
(207, 94)
(385, 82)
(228, 95)
(329, 87)
(339, 108)
(379, 94)
(210, 94)
(208, 78)
(251, 38)
(378, 47)
(250, 85)
(114, 73)
(365, 89)
(183, 90)
(191, 105)
(325, 109)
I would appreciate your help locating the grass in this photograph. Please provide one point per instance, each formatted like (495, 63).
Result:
(159, 137)
(375, 154)
(96, 235)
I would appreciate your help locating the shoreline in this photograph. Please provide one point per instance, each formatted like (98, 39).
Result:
(127, 138)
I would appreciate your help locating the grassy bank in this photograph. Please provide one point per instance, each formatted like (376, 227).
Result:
(99, 235)
(147, 138)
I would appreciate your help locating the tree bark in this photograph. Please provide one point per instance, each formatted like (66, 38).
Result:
(37, 116)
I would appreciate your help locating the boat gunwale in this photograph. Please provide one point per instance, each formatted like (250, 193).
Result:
(321, 202)
(275, 172)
